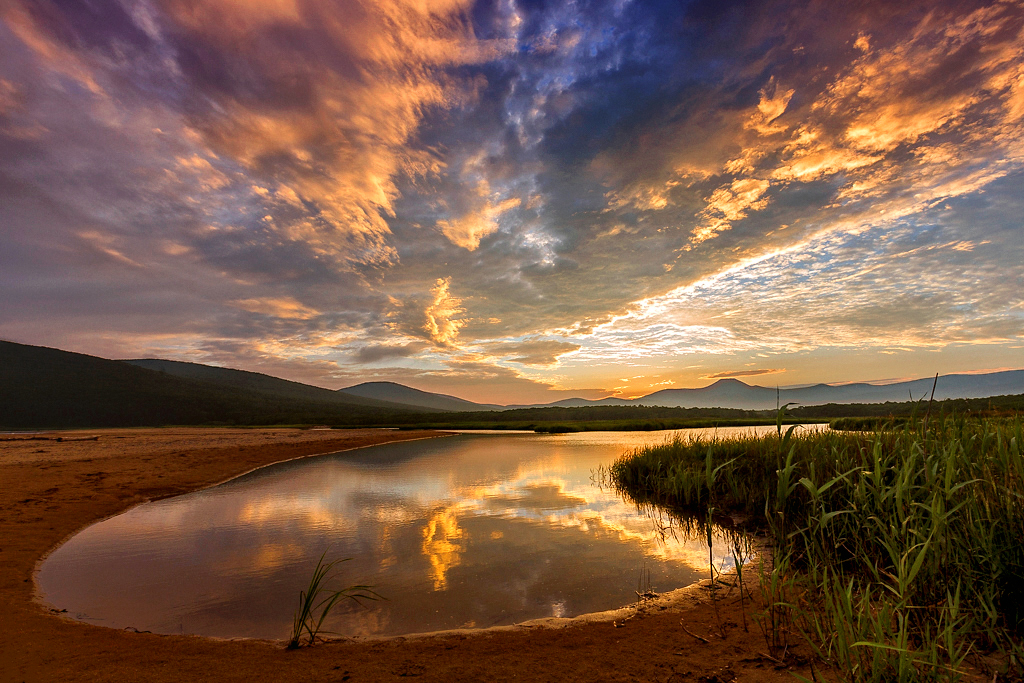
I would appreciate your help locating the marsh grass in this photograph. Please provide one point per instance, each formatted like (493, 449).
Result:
(898, 554)
(317, 601)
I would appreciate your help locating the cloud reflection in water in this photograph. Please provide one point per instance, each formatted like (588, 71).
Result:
(461, 531)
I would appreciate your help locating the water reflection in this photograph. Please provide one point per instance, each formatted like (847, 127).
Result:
(464, 531)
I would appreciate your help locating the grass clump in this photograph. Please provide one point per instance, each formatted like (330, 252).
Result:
(317, 601)
(898, 554)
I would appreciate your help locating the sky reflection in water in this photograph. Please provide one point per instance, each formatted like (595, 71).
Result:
(464, 531)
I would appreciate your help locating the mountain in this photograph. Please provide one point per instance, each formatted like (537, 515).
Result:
(948, 386)
(42, 387)
(401, 394)
(729, 393)
(583, 403)
(725, 393)
(257, 381)
(732, 393)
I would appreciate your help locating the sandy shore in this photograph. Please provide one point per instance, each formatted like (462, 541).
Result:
(53, 484)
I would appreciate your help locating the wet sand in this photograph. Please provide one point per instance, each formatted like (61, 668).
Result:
(50, 488)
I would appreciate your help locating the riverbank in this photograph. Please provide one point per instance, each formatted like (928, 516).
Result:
(53, 484)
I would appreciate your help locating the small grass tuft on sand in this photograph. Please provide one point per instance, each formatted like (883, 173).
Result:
(317, 601)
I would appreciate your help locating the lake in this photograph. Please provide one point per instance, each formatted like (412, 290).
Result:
(465, 531)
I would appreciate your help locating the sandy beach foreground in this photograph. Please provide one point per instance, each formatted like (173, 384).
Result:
(53, 484)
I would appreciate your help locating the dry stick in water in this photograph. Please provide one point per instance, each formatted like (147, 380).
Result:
(738, 558)
(711, 564)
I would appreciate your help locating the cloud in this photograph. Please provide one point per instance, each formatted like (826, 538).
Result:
(482, 205)
(895, 285)
(442, 326)
(528, 195)
(378, 352)
(467, 230)
(729, 204)
(743, 373)
(315, 101)
(539, 352)
(332, 123)
(282, 307)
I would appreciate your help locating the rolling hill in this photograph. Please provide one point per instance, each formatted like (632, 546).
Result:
(42, 387)
(266, 384)
(401, 394)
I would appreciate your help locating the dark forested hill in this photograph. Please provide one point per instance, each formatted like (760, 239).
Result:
(47, 388)
(256, 381)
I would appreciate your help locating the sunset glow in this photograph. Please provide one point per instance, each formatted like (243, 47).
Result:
(517, 201)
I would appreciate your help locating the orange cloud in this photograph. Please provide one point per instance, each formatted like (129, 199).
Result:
(442, 326)
(209, 177)
(282, 307)
(467, 230)
(57, 57)
(485, 206)
(343, 139)
(728, 204)
(772, 105)
(743, 373)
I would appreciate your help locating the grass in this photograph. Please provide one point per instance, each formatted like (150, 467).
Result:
(866, 424)
(897, 554)
(317, 601)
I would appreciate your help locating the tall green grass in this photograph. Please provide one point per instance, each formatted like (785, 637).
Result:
(897, 554)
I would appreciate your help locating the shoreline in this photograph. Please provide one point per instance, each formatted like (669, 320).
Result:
(672, 599)
(52, 490)
(37, 596)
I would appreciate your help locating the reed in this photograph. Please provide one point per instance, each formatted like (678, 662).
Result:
(898, 554)
(317, 601)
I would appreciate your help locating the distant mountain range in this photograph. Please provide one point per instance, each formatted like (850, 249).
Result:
(44, 387)
(732, 393)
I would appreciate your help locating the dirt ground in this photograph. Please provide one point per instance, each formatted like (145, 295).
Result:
(53, 484)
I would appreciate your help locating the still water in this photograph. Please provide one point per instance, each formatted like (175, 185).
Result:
(462, 531)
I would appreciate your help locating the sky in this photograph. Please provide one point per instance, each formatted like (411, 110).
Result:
(517, 201)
